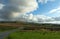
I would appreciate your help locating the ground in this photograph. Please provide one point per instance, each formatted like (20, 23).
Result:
(34, 31)
(35, 35)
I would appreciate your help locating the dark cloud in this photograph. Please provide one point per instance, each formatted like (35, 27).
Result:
(16, 6)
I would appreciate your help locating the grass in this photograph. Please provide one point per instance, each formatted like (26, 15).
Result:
(6, 28)
(35, 35)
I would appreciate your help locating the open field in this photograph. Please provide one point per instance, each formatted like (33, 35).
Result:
(32, 30)
(6, 28)
(34, 35)
(35, 31)
(30, 26)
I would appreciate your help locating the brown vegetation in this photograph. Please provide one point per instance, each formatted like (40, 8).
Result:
(33, 26)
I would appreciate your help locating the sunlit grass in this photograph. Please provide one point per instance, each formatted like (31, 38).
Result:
(35, 35)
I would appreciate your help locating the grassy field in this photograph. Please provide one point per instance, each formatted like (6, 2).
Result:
(6, 28)
(54, 32)
(35, 35)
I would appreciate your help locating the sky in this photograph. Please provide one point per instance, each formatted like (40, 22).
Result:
(37, 11)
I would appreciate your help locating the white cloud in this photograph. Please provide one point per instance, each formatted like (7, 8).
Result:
(30, 16)
(43, 18)
(45, 1)
(35, 18)
(24, 6)
(53, 22)
(57, 10)
(1, 6)
(38, 18)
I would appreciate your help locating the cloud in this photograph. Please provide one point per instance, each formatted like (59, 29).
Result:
(25, 5)
(38, 18)
(57, 18)
(1, 6)
(12, 8)
(16, 10)
(57, 10)
(35, 18)
(53, 22)
(43, 18)
(27, 18)
(45, 1)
